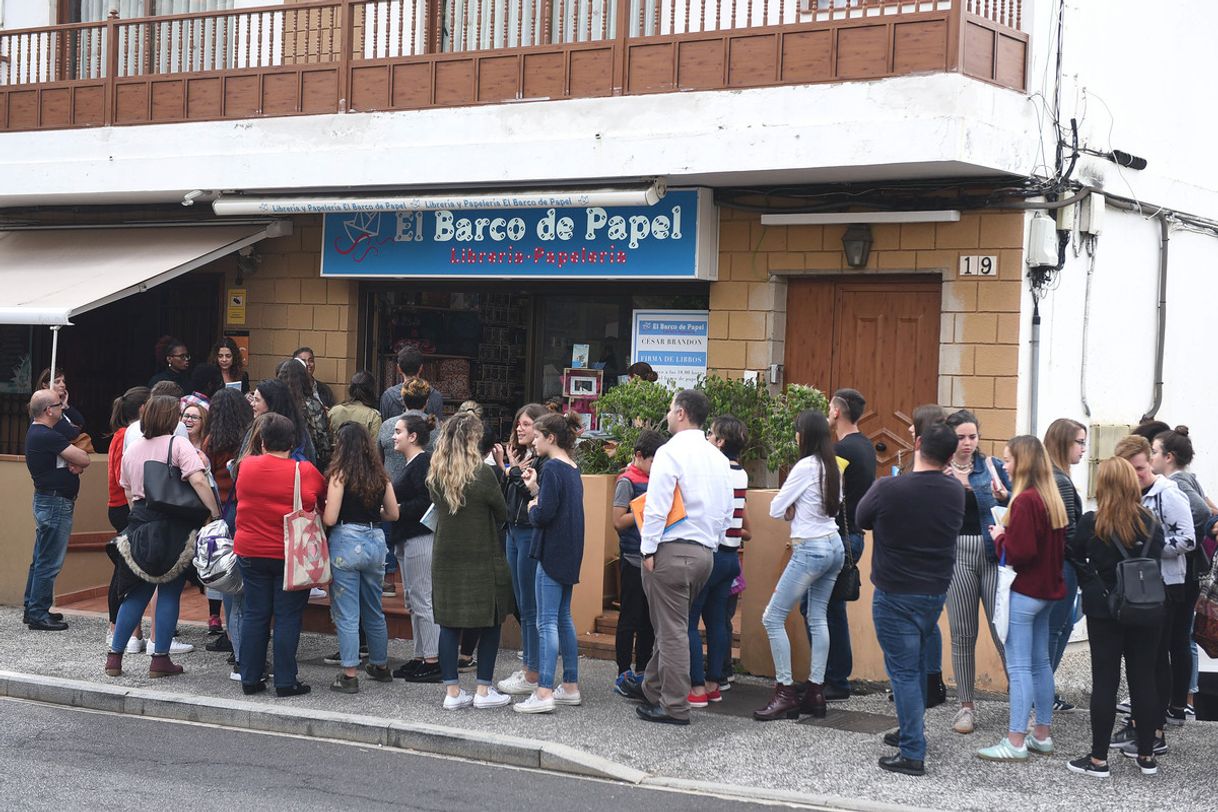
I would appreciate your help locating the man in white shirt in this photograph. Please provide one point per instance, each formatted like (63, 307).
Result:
(677, 559)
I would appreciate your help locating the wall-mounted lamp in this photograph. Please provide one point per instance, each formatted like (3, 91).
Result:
(248, 261)
(856, 242)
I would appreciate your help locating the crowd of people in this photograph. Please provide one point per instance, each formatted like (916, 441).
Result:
(482, 530)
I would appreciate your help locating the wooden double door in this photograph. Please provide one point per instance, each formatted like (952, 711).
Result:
(878, 335)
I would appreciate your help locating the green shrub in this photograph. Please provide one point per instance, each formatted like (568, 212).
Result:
(626, 410)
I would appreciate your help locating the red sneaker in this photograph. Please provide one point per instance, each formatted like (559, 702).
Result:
(714, 696)
(698, 701)
(214, 626)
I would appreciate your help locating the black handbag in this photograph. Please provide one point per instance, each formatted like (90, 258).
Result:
(847, 585)
(166, 492)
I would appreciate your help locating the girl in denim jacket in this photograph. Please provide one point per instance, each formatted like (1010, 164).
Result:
(975, 576)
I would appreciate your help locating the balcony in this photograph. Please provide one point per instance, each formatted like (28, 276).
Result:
(347, 56)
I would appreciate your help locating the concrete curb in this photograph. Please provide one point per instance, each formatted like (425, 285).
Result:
(493, 748)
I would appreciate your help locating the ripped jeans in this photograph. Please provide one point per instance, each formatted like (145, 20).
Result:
(357, 564)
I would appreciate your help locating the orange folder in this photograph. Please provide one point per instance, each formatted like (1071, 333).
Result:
(676, 514)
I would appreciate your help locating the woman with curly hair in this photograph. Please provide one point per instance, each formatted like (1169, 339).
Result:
(226, 356)
(471, 587)
(295, 376)
(358, 499)
(228, 420)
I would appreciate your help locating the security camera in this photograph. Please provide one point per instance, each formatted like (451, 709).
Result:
(189, 198)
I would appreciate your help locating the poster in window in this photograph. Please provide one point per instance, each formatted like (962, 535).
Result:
(16, 350)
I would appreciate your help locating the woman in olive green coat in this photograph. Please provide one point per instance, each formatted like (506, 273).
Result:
(470, 583)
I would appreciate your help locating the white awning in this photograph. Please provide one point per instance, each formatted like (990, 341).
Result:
(47, 276)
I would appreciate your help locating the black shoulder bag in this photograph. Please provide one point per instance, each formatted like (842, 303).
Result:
(166, 492)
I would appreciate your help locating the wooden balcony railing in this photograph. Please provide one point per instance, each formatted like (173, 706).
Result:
(336, 56)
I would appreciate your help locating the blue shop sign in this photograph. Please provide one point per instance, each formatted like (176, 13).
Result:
(674, 239)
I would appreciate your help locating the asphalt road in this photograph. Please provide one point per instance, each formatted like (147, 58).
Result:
(52, 757)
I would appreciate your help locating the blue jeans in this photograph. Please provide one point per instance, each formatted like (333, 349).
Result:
(933, 654)
(555, 631)
(449, 644)
(265, 598)
(710, 605)
(524, 586)
(53, 516)
(810, 573)
(357, 564)
(1061, 617)
(392, 564)
(1028, 669)
(903, 625)
(234, 609)
(169, 597)
(841, 657)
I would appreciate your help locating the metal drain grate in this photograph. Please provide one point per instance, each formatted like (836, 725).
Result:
(853, 721)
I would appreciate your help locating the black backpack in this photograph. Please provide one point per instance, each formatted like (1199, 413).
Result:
(1139, 595)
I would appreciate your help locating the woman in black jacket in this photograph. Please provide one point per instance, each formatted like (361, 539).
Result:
(413, 542)
(1119, 519)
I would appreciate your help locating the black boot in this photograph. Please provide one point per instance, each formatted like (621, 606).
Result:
(936, 691)
(784, 704)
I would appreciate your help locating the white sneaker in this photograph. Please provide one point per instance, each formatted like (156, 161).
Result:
(493, 699)
(316, 594)
(176, 646)
(235, 674)
(964, 721)
(562, 697)
(535, 704)
(517, 685)
(135, 645)
(461, 700)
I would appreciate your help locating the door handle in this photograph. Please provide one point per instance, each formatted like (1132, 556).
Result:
(881, 446)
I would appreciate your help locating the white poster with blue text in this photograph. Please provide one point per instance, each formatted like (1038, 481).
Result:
(674, 343)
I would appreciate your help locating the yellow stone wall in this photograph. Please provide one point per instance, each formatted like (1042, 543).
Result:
(979, 335)
(290, 305)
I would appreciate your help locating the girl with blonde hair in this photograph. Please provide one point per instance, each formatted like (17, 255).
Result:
(1034, 544)
(471, 587)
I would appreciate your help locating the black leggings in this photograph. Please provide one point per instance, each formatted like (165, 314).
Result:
(118, 517)
(1109, 641)
(1174, 664)
(635, 635)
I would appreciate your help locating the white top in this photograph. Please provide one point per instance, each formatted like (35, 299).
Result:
(689, 462)
(740, 494)
(136, 432)
(803, 489)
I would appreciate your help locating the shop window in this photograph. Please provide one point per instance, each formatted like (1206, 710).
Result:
(505, 347)
(473, 345)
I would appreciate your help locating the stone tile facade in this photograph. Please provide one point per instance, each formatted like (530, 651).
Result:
(290, 305)
(980, 317)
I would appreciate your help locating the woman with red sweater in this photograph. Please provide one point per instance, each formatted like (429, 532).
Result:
(265, 487)
(1033, 544)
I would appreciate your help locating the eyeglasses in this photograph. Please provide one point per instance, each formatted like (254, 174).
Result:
(1082, 443)
(185, 356)
(55, 406)
(192, 418)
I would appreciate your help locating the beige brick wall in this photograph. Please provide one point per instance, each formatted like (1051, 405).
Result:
(979, 333)
(289, 305)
